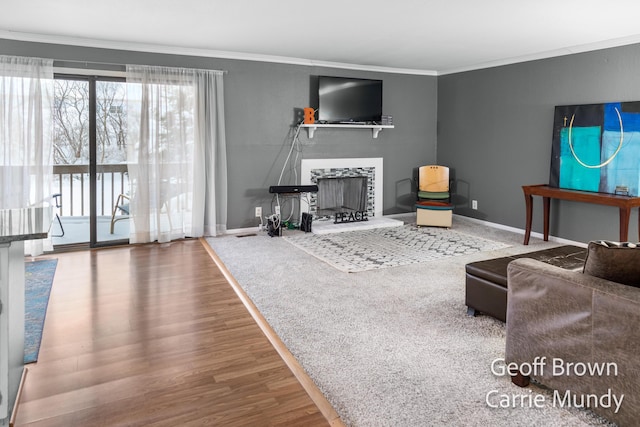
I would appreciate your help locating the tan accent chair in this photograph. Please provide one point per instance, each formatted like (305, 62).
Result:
(433, 207)
(433, 179)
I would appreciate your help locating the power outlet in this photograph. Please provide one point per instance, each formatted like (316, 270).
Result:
(474, 204)
(258, 211)
(278, 210)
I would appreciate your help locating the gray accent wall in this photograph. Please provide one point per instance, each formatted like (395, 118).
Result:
(260, 103)
(495, 129)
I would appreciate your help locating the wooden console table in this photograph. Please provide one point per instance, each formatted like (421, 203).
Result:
(624, 203)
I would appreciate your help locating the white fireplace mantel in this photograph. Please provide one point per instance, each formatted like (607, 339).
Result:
(376, 129)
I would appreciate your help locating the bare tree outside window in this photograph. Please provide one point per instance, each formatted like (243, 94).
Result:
(111, 122)
(71, 122)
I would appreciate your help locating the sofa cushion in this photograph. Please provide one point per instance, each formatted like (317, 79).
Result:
(618, 262)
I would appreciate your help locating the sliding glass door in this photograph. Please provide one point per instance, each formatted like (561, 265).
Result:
(90, 163)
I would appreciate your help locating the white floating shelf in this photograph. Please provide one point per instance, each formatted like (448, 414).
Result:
(311, 129)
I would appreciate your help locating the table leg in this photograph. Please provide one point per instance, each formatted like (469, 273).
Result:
(625, 214)
(528, 201)
(546, 203)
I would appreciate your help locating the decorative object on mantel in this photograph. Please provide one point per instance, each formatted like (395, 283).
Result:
(354, 251)
(37, 288)
(596, 147)
(309, 116)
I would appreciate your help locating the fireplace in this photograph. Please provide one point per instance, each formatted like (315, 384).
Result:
(341, 194)
(344, 185)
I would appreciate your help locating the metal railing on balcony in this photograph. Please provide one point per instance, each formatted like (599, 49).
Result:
(73, 183)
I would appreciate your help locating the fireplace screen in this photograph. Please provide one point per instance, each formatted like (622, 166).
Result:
(342, 194)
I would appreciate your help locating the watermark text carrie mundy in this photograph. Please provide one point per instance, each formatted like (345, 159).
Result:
(556, 367)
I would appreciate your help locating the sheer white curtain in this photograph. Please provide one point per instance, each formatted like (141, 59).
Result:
(211, 127)
(26, 145)
(176, 153)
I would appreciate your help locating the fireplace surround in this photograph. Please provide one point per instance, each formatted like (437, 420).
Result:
(313, 170)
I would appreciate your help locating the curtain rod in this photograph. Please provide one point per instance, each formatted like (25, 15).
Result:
(114, 66)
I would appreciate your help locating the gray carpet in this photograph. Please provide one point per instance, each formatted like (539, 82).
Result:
(393, 346)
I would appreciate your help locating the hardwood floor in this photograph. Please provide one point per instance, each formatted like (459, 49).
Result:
(155, 335)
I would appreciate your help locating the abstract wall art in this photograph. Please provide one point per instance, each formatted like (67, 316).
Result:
(596, 147)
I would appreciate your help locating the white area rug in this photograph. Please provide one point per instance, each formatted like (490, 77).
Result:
(362, 250)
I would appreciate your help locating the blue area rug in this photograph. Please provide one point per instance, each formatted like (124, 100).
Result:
(37, 287)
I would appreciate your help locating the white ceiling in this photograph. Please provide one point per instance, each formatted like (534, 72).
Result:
(407, 36)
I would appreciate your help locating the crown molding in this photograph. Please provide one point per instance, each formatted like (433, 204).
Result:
(208, 53)
(589, 47)
(242, 56)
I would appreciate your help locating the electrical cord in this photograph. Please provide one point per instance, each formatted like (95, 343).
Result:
(276, 218)
(295, 144)
(282, 203)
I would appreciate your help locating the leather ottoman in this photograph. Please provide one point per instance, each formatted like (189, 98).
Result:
(486, 281)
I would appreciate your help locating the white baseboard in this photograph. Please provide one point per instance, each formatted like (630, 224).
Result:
(243, 230)
(522, 231)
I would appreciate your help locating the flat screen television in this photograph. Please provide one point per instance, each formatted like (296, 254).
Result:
(347, 100)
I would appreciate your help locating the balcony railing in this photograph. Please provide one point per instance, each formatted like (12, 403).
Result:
(72, 182)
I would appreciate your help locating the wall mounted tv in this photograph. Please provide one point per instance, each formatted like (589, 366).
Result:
(348, 100)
